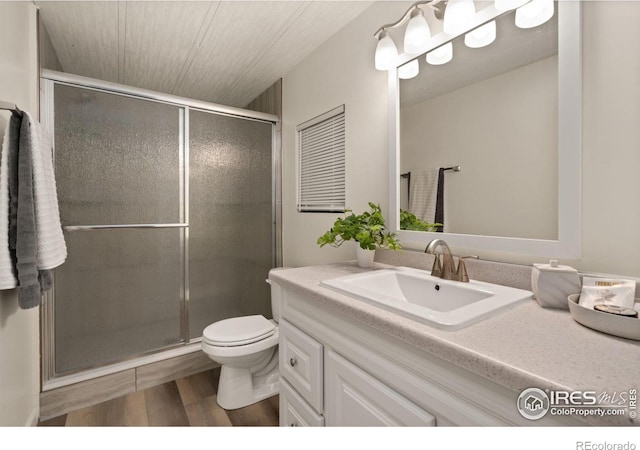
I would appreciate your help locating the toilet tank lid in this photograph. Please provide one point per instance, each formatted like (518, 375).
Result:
(236, 329)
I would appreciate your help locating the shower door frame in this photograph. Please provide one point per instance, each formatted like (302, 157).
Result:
(49, 78)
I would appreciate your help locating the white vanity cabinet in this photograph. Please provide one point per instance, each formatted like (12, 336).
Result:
(319, 387)
(355, 398)
(336, 371)
(294, 410)
(301, 363)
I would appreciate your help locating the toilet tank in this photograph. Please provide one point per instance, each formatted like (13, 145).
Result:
(276, 300)
(276, 297)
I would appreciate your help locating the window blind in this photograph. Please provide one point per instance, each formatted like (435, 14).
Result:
(321, 157)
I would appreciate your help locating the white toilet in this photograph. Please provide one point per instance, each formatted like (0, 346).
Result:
(247, 349)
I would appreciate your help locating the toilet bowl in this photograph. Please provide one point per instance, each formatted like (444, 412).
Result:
(247, 349)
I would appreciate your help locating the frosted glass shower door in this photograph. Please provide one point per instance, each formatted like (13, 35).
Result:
(231, 231)
(119, 171)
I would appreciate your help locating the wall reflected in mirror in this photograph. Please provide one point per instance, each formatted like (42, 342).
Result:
(493, 111)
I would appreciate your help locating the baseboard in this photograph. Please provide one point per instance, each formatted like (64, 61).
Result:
(32, 420)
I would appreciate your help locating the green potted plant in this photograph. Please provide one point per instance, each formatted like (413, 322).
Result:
(367, 229)
(409, 221)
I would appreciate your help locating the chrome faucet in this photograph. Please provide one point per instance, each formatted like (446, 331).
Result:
(447, 268)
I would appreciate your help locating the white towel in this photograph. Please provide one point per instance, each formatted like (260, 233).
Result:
(423, 194)
(8, 278)
(52, 250)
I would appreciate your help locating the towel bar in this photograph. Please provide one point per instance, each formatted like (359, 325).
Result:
(8, 105)
(454, 168)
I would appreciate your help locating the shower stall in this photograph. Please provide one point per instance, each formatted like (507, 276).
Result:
(169, 211)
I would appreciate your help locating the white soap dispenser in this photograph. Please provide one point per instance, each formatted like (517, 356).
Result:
(552, 284)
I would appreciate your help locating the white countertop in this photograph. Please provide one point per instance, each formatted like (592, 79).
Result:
(526, 346)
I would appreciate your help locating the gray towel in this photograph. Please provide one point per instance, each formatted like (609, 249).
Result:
(29, 205)
(440, 201)
(12, 159)
(22, 224)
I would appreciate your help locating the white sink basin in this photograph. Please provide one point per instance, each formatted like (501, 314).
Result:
(417, 295)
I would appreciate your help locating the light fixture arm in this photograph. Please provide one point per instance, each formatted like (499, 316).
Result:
(436, 5)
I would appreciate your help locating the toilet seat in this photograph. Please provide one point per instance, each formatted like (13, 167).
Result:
(238, 331)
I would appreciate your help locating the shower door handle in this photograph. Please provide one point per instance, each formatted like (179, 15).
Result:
(117, 227)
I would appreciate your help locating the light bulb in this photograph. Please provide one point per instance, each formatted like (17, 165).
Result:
(386, 52)
(534, 13)
(441, 55)
(409, 70)
(507, 5)
(458, 16)
(481, 36)
(417, 33)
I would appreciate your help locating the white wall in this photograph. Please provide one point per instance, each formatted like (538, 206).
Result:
(611, 137)
(505, 144)
(341, 71)
(19, 342)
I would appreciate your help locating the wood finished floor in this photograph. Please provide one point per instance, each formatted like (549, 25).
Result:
(189, 401)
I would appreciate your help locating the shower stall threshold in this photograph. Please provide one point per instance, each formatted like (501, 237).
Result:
(132, 363)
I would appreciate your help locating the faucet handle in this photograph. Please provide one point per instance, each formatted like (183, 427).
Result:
(461, 273)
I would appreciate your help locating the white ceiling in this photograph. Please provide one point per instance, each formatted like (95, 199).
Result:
(225, 52)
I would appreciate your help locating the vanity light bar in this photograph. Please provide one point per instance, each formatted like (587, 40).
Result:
(458, 17)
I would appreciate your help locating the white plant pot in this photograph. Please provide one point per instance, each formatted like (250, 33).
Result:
(365, 257)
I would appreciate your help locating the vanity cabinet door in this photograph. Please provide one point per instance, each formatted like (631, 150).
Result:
(294, 411)
(301, 363)
(355, 398)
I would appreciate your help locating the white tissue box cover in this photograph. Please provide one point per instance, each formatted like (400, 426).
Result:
(552, 285)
